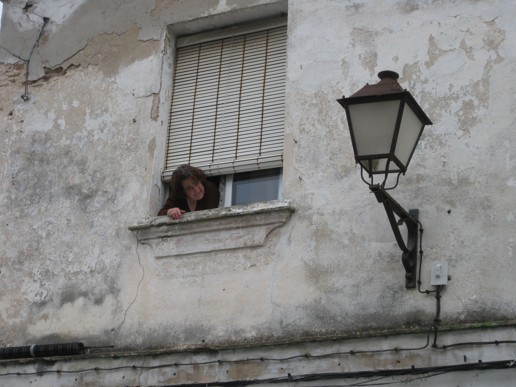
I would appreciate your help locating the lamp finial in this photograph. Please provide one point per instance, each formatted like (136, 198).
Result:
(388, 74)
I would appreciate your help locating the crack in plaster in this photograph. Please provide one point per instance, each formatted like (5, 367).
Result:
(135, 296)
(27, 61)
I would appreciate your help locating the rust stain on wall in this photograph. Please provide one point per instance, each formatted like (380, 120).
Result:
(365, 39)
(434, 52)
(155, 107)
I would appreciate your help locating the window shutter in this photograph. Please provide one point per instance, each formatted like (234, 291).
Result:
(227, 112)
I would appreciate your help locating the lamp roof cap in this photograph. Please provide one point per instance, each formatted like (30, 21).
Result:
(388, 84)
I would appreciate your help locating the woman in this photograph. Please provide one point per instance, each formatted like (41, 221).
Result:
(189, 191)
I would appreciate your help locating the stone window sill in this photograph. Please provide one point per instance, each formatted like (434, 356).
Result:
(213, 230)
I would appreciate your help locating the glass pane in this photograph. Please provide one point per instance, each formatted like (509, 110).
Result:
(379, 166)
(255, 186)
(410, 129)
(373, 126)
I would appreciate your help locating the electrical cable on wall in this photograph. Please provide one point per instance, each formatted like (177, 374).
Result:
(44, 350)
(425, 372)
(268, 359)
(421, 230)
(25, 95)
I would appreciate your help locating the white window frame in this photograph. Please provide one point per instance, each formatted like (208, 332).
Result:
(228, 188)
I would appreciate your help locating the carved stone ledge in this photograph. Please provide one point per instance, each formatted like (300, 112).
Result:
(212, 230)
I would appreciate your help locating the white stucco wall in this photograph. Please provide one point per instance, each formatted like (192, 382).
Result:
(456, 60)
(80, 163)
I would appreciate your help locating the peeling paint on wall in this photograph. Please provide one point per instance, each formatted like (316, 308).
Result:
(80, 162)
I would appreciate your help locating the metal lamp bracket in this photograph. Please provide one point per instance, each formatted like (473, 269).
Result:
(410, 218)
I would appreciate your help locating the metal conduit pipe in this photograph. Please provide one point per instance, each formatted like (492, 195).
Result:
(44, 350)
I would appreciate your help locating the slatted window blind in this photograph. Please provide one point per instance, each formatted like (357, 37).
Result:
(227, 112)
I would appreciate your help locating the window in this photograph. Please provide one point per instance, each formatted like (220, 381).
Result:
(227, 108)
(250, 187)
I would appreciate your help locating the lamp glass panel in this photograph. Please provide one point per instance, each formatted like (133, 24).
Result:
(373, 126)
(379, 166)
(410, 129)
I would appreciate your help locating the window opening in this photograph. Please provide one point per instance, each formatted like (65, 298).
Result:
(227, 107)
(255, 186)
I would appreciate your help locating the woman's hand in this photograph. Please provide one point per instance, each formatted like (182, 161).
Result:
(175, 213)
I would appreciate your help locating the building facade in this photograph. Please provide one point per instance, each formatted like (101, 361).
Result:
(305, 289)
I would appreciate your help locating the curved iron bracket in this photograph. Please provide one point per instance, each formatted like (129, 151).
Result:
(410, 218)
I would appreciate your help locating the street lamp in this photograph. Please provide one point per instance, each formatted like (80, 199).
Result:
(385, 123)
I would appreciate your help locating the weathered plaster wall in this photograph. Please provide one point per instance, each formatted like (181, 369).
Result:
(81, 158)
(456, 58)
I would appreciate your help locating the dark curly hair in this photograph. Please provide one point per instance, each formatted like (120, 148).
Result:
(182, 173)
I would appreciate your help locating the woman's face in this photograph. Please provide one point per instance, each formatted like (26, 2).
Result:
(194, 189)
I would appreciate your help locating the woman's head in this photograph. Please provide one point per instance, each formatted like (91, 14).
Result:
(188, 182)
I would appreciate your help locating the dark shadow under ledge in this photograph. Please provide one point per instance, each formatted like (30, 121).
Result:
(218, 229)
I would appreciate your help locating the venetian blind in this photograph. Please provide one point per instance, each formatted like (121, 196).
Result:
(227, 112)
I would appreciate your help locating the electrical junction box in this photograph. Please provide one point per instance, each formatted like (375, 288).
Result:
(439, 274)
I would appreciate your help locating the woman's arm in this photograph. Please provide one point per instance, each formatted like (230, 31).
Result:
(170, 204)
